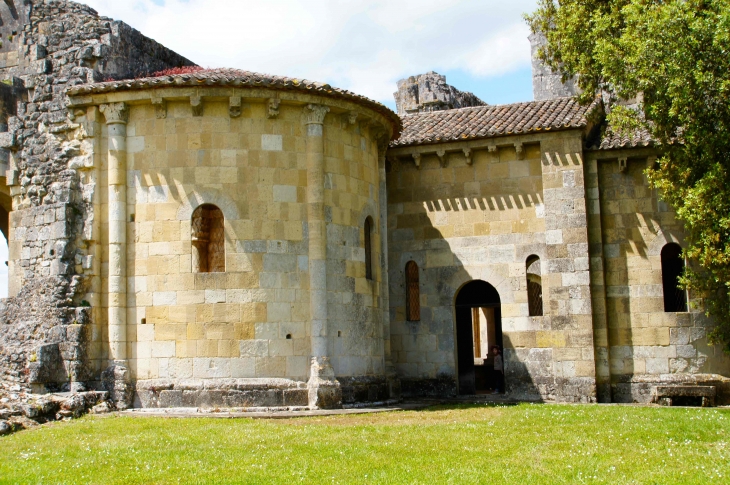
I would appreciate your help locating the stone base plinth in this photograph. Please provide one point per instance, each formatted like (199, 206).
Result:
(223, 393)
(642, 388)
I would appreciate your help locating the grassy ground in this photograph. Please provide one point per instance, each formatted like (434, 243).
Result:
(531, 444)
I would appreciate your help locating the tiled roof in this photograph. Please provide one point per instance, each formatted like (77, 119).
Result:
(236, 78)
(489, 121)
(610, 140)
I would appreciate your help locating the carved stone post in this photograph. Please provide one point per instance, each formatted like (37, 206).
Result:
(117, 376)
(324, 389)
(390, 374)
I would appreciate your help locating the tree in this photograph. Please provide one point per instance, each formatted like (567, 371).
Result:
(673, 57)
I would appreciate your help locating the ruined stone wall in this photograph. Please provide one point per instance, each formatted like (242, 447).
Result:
(429, 92)
(57, 44)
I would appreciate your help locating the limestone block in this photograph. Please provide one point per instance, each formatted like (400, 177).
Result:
(271, 366)
(254, 348)
(278, 312)
(164, 298)
(163, 349)
(285, 193)
(281, 347)
(215, 296)
(271, 142)
(297, 366)
(657, 366)
(211, 368)
(244, 367)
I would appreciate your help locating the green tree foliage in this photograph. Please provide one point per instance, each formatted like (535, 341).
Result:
(673, 57)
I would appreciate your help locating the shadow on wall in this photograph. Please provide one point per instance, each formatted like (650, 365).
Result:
(429, 353)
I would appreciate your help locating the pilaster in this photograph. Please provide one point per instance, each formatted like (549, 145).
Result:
(324, 389)
(117, 115)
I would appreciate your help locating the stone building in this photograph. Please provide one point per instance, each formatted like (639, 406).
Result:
(188, 237)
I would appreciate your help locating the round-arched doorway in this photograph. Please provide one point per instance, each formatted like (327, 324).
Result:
(478, 330)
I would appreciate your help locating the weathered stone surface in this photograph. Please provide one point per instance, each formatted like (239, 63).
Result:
(429, 92)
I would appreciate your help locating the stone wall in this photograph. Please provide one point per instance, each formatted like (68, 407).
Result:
(429, 92)
(56, 44)
(479, 218)
(246, 335)
(546, 83)
(638, 344)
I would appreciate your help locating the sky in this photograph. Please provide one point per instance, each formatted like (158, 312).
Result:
(364, 46)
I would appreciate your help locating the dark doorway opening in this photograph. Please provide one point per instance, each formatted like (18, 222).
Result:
(478, 329)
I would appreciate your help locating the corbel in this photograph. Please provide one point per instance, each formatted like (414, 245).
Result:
(272, 110)
(417, 160)
(197, 103)
(520, 151)
(623, 164)
(349, 118)
(160, 107)
(235, 106)
(442, 157)
(467, 154)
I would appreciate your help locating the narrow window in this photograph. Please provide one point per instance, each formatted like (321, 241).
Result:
(534, 286)
(368, 248)
(413, 293)
(675, 298)
(209, 252)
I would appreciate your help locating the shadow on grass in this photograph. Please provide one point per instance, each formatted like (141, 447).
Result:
(463, 406)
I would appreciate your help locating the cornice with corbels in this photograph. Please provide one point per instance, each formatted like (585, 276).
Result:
(444, 151)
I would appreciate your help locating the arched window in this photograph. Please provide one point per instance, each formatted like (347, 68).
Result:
(368, 248)
(413, 293)
(209, 251)
(534, 286)
(675, 298)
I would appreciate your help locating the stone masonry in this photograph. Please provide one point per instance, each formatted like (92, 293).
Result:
(110, 144)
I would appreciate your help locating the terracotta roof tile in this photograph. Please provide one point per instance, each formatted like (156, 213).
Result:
(610, 140)
(235, 78)
(489, 121)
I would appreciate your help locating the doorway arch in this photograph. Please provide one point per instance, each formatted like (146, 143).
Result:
(478, 310)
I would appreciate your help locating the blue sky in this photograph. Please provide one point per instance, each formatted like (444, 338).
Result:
(361, 45)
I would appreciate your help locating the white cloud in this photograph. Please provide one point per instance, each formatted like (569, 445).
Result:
(363, 45)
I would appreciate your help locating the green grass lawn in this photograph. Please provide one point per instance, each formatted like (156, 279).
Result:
(476, 444)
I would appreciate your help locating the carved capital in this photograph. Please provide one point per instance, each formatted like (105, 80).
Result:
(442, 157)
(160, 107)
(272, 107)
(315, 113)
(417, 160)
(115, 113)
(467, 154)
(235, 106)
(196, 102)
(492, 148)
(623, 164)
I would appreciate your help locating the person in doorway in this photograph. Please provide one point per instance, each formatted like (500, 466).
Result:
(498, 371)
